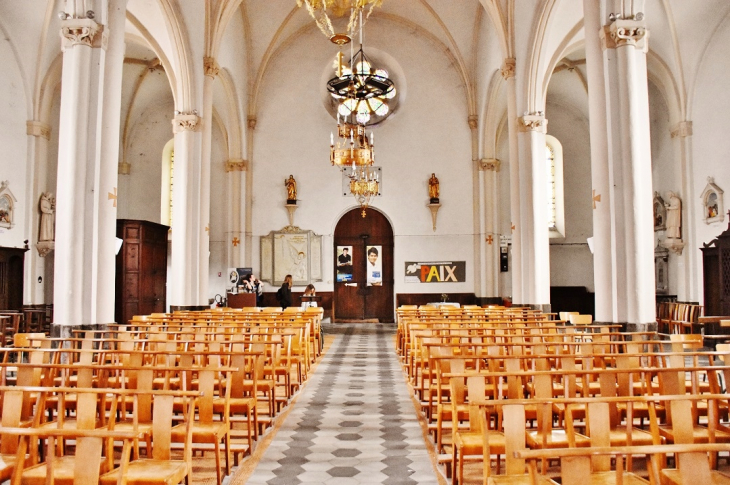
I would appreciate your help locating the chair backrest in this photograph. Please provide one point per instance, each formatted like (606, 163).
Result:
(578, 319)
(565, 316)
(513, 421)
(685, 341)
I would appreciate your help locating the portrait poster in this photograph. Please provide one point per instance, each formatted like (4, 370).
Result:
(343, 263)
(374, 265)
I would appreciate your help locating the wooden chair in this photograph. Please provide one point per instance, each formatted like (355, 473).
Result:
(65, 466)
(205, 430)
(160, 468)
(513, 421)
(601, 430)
(691, 467)
(469, 442)
(11, 417)
(241, 406)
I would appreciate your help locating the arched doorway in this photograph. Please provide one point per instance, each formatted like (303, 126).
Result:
(367, 294)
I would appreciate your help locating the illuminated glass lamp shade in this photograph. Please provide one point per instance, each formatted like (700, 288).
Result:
(367, 95)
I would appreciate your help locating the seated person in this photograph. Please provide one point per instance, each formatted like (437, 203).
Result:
(309, 291)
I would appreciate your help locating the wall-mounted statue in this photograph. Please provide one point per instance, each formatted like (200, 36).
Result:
(433, 189)
(47, 206)
(46, 233)
(674, 216)
(291, 190)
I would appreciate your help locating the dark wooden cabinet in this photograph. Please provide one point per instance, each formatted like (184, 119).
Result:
(141, 269)
(11, 278)
(716, 274)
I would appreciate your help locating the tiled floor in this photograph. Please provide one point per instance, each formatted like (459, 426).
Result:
(354, 422)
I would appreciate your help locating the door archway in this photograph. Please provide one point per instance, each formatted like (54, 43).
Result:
(367, 295)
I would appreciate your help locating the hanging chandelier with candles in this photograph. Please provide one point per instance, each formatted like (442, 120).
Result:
(354, 153)
(322, 12)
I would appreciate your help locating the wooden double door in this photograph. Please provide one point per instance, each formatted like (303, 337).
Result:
(368, 293)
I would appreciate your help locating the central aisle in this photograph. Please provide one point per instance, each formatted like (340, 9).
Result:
(354, 422)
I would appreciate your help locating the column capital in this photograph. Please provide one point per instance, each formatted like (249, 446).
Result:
(681, 129)
(37, 128)
(252, 122)
(124, 168)
(236, 165)
(508, 67)
(80, 32)
(211, 67)
(532, 122)
(620, 33)
(473, 121)
(489, 164)
(185, 122)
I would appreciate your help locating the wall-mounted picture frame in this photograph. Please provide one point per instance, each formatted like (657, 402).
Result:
(712, 203)
(291, 251)
(7, 205)
(660, 213)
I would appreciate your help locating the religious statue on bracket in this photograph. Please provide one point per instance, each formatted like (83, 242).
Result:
(46, 233)
(673, 224)
(433, 196)
(291, 190)
(712, 202)
(433, 189)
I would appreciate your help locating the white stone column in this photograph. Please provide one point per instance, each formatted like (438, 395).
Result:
(234, 236)
(39, 134)
(629, 155)
(478, 209)
(248, 196)
(604, 274)
(488, 169)
(688, 266)
(508, 73)
(189, 230)
(534, 233)
(79, 37)
(103, 291)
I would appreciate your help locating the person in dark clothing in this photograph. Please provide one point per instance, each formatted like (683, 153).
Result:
(284, 293)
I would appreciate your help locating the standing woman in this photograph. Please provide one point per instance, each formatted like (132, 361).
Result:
(284, 293)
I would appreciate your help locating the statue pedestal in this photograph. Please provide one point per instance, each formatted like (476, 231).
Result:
(291, 208)
(434, 210)
(674, 245)
(45, 247)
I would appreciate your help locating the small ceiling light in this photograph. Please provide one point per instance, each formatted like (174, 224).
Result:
(62, 15)
(90, 14)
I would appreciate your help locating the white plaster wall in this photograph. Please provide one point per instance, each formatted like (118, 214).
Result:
(571, 262)
(429, 133)
(139, 192)
(219, 207)
(14, 142)
(710, 115)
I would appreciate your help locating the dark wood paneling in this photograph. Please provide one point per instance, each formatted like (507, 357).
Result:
(11, 278)
(572, 299)
(363, 302)
(241, 300)
(141, 269)
(716, 277)
(269, 299)
(424, 298)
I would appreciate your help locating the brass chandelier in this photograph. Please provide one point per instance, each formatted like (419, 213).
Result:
(318, 10)
(354, 154)
(355, 88)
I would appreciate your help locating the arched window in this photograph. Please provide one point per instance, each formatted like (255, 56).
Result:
(168, 166)
(554, 162)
